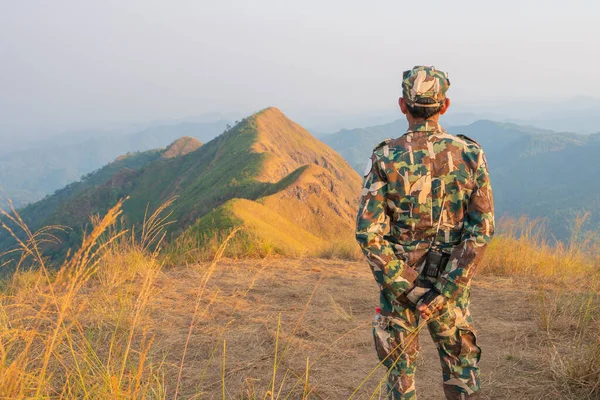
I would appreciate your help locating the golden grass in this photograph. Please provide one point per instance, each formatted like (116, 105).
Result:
(520, 249)
(264, 233)
(567, 277)
(287, 238)
(197, 310)
(90, 330)
(57, 342)
(188, 249)
(341, 249)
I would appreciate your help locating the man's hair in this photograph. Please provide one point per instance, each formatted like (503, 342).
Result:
(424, 112)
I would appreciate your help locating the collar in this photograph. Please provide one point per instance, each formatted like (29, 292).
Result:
(426, 126)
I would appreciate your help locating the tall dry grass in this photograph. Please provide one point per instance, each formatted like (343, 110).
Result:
(79, 331)
(566, 278)
(245, 244)
(522, 248)
(82, 331)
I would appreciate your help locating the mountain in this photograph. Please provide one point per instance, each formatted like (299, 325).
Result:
(28, 175)
(535, 172)
(552, 176)
(109, 179)
(267, 174)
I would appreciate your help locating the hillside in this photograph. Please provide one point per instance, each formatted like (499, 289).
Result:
(558, 183)
(535, 172)
(267, 174)
(28, 175)
(124, 165)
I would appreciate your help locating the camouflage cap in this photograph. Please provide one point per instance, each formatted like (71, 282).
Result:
(422, 83)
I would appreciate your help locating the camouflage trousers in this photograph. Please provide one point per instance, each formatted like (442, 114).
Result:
(397, 345)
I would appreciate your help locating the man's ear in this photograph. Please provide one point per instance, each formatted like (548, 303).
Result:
(445, 106)
(402, 105)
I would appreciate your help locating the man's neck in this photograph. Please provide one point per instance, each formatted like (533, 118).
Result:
(423, 124)
(414, 121)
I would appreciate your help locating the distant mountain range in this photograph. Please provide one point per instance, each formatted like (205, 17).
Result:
(535, 172)
(28, 175)
(266, 174)
(291, 192)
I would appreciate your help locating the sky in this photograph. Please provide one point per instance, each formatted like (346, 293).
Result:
(82, 64)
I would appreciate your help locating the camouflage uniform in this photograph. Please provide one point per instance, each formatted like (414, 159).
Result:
(411, 183)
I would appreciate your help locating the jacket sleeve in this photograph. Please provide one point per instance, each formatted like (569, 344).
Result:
(391, 273)
(478, 230)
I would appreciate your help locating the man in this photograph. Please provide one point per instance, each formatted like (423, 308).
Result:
(425, 218)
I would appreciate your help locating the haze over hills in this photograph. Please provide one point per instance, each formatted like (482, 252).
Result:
(30, 171)
(266, 174)
(271, 176)
(28, 175)
(535, 172)
(578, 114)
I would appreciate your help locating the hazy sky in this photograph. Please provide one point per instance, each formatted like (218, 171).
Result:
(70, 64)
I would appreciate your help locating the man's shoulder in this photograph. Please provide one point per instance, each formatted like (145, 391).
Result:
(382, 149)
(468, 140)
(383, 143)
(468, 144)
(389, 148)
(393, 142)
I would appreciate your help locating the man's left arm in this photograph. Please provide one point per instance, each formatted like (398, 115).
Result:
(391, 273)
(477, 232)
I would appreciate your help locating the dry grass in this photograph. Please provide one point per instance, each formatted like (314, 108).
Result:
(567, 281)
(341, 250)
(520, 249)
(112, 323)
(79, 332)
(570, 323)
(244, 245)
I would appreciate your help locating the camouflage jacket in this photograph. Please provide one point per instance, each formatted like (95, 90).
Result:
(406, 181)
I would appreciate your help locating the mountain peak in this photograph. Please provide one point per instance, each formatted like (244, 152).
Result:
(287, 146)
(270, 112)
(181, 147)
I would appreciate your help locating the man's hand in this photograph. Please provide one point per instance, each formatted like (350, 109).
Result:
(430, 304)
(420, 288)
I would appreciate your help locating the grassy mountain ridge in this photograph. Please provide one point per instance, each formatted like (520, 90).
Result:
(298, 183)
(266, 159)
(28, 175)
(124, 165)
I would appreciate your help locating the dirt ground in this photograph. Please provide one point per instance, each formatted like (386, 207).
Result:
(324, 310)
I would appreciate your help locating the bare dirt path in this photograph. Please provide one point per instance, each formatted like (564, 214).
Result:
(245, 300)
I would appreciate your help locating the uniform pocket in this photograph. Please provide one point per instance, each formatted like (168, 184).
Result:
(470, 352)
(382, 337)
